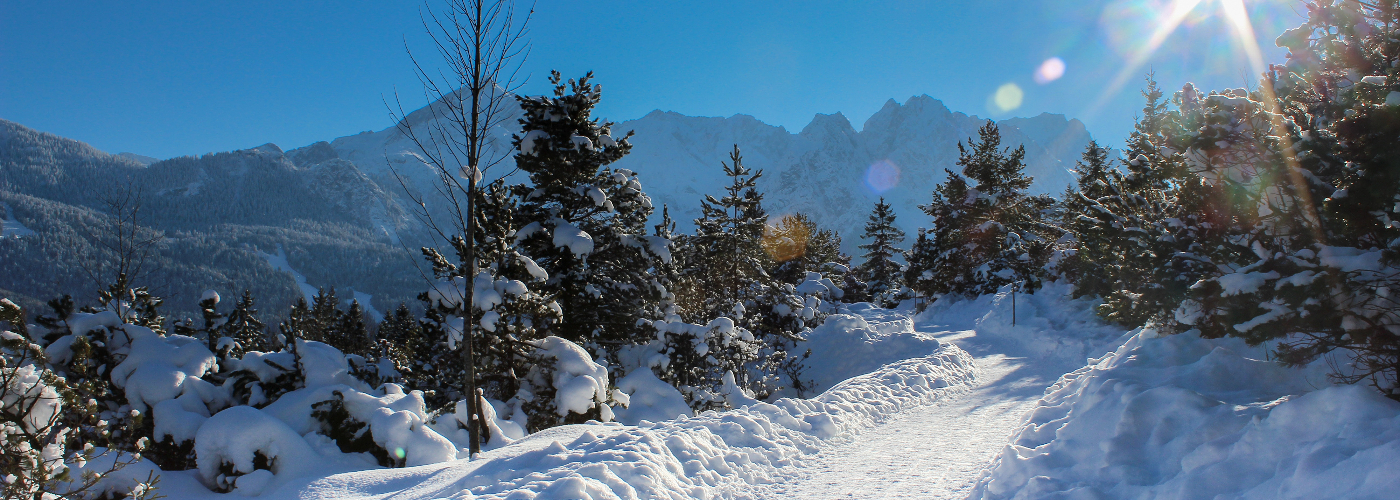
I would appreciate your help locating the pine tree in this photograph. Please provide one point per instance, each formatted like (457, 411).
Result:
(881, 273)
(728, 262)
(584, 223)
(400, 340)
(990, 234)
(349, 333)
(243, 328)
(797, 246)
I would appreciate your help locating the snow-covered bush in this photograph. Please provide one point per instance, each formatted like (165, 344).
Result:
(694, 359)
(566, 386)
(41, 454)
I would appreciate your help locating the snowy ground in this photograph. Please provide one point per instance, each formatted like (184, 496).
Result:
(11, 227)
(941, 450)
(711, 455)
(955, 403)
(934, 451)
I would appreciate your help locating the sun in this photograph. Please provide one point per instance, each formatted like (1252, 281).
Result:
(1170, 16)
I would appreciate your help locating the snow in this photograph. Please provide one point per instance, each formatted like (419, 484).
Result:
(1238, 283)
(236, 435)
(367, 302)
(11, 227)
(947, 403)
(714, 454)
(279, 262)
(648, 398)
(162, 368)
(569, 236)
(527, 143)
(579, 382)
(1185, 417)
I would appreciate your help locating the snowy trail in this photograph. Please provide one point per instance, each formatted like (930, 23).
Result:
(937, 451)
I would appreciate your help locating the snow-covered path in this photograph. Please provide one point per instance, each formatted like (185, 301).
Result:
(937, 451)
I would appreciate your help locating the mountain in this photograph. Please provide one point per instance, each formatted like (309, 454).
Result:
(823, 171)
(337, 214)
(255, 218)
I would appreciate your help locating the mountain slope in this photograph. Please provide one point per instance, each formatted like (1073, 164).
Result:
(210, 218)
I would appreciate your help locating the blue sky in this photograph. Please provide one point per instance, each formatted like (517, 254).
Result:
(169, 78)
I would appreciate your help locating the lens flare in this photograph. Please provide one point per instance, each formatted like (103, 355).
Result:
(1171, 16)
(1050, 70)
(882, 176)
(1007, 98)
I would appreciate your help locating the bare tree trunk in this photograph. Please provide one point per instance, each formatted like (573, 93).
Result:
(482, 44)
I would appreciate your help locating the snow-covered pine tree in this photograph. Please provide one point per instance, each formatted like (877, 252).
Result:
(400, 340)
(796, 246)
(727, 263)
(1130, 229)
(918, 274)
(243, 328)
(990, 234)
(883, 275)
(1096, 182)
(1306, 175)
(584, 223)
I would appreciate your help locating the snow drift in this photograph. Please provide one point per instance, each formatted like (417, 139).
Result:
(1184, 417)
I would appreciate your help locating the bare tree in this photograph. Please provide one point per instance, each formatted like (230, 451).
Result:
(482, 45)
(124, 245)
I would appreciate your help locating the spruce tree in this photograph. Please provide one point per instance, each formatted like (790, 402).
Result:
(882, 274)
(797, 246)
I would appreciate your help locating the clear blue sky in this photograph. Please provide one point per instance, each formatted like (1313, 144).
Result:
(169, 78)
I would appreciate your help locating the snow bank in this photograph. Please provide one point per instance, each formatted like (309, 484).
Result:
(1048, 323)
(849, 345)
(234, 443)
(713, 454)
(649, 398)
(1184, 417)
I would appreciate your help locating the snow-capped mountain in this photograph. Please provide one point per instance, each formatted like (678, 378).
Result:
(824, 171)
